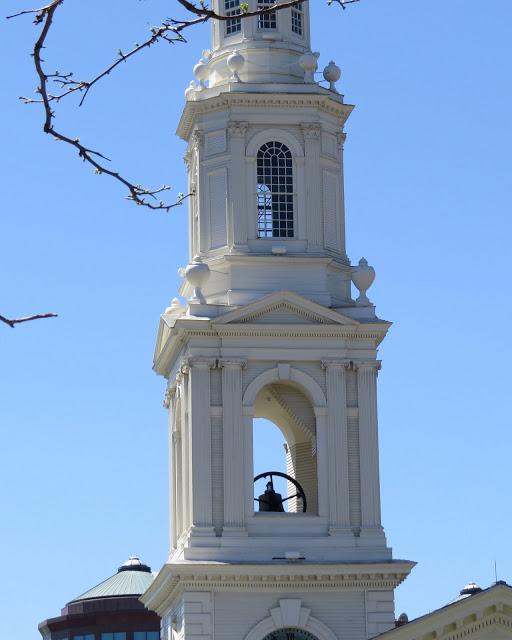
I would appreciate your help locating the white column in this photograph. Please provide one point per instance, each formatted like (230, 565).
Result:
(313, 178)
(368, 443)
(233, 447)
(322, 457)
(182, 383)
(170, 405)
(176, 502)
(251, 215)
(237, 223)
(203, 222)
(339, 503)
(201, 443)
(247, 435)
(341, 145)
(192, 203)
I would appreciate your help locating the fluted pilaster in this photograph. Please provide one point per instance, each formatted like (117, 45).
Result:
(237, 224)
(339, 503)
(233, 445)
(186, 469)
(341, 145)
(368, 443)
(201, 440)
(197, 145)
(170, 404)
(312, 133)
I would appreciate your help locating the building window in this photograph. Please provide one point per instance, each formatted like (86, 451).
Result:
(267, 20)
(117, 635)
(146, 635)
(275, 191)
(89, 636)
(297, 19)
(232, 8)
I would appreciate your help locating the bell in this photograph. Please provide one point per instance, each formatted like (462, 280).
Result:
(270, 500)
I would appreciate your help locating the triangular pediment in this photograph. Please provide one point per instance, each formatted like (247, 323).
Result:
(285, 307)
(486, 615)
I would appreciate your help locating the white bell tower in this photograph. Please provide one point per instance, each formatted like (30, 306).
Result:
(270, 329)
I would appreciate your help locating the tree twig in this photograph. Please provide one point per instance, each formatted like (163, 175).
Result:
(171, 31)
(12, 322)
(136, 192)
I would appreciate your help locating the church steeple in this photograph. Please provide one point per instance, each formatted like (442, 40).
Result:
(267, 328)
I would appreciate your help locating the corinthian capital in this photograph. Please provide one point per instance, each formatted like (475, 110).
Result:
(341, 137)
(367, 365)
(311, 130)
(335, 364)
(170, 392)
(196, 139)
(232, 363)
(237, 129)
(187, 158)
(199, 363)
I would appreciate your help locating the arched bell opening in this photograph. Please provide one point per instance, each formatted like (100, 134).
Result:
(286, 407)
(269, 453)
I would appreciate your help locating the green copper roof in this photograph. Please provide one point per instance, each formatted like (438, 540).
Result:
(132, 579)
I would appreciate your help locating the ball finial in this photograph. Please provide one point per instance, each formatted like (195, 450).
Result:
(190, 91)
(308, 62)
(201, 72)
(235, 64)
(332, 73)
(197, 274)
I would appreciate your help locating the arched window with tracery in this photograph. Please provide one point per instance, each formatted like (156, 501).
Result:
(275, 191)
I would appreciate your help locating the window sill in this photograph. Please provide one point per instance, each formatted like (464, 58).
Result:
(264, 245)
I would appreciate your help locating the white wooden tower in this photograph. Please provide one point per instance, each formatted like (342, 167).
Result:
(270, 329)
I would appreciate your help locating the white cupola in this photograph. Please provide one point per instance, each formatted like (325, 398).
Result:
(265, 161)
(271, 44)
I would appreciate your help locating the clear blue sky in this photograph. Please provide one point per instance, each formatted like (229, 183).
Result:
(83, 474)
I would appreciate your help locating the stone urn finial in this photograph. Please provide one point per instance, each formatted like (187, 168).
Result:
(197, 274)
(308, 62)
(190, 91)
(332, 73)
(202, 73)
(363, 276)
(174, 307)
(235, 64)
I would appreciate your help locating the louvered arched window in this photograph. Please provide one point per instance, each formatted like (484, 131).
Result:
(275, 191)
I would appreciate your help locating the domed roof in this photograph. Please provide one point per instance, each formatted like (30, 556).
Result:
(469, 590)
(132, 579)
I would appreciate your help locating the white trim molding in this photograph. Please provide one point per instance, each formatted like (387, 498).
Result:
(280, 135)
(176, 577)
(311, 388)
(290, 613)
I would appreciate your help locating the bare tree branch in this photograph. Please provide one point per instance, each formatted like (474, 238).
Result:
(341, 3)
(171, 31)
(209, 14)
(136, 192)
(13, 322)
